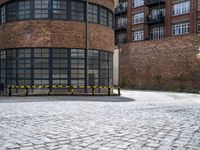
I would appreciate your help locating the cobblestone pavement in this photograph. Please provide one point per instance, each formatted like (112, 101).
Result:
(154, 121)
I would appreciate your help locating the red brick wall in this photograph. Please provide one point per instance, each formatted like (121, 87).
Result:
(167, 64)
(55, 33)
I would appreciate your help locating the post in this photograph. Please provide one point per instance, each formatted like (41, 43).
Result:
(87, 47)
(10, 91)
(49, 91)
(119, 91)
(72, 90)
(109, 91)
(93, 91)
(26, 91)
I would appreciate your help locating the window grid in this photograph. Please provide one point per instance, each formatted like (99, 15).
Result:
(138, 18)
(180, 28)
(55, 9)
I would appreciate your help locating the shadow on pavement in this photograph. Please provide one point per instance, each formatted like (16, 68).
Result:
(65, 98)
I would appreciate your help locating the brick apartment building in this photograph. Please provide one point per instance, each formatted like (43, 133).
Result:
(161, 43)
(56, 42)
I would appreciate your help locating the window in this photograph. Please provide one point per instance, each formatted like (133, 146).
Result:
(41, 8)
(138, 18)
(198, 26)
(93, 67)
(181, 8)
(41, 66)
(138, 35)
(11, 11)
(60, 66)
(60, 9)
(121, 23)
(3, 14)
(121, 38)
(103, 16)
(137, 3)
(110, 19)
(24, 9)
(77, 67)
(156, 33)
(24, 66)
(181, 28)
(78, 11)
(104, 68)
(198, 4)
(93, 13)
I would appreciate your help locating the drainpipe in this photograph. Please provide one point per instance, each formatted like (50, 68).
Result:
(87, 47)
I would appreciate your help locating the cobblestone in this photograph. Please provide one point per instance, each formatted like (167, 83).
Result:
(140, 121)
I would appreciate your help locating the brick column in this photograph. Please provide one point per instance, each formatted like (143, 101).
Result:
(168, 18)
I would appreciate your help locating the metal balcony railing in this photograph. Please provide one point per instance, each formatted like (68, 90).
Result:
(122, 10)
(155, 19)
(154, 2)
(121, 27)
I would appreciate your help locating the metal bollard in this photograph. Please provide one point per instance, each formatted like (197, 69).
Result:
(49, 90)
(10, 91)
(72, 90)
(119, 91)
(109, 91)
(93, 91)
(26, 91)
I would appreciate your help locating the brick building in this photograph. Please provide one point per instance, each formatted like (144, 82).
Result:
(161, 44)
(56, 42)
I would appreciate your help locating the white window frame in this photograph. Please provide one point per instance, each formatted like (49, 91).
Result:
(181, 8)
(138, 18)
(138, 35)
(180, 28)
(137, 3)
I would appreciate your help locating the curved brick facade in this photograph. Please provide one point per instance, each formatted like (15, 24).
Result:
(55, 33)
(48, 46)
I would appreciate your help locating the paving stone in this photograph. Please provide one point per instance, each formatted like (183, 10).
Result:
(154, 120)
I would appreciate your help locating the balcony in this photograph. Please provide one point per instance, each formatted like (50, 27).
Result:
(121, 11)
(120, 41)
(151, 3)
(152, 19)
(120, 27)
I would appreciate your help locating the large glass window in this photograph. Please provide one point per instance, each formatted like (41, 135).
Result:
(180, 28)
(60, 66)
(3, 14)
(104, 68)
(110, 19)
(181, 8)
(77, 67)
(24, 9)
(55, 9)
(11, 11)
(156, 32)
(138, 35)
(93, 68)
(41, 66)
(138, 18)
(93, 13)
(24, 66)
(77, 11)
(103, 16)
(198, 25)
(41, 8)
(137, 3)
(60, 9)
(198, 4)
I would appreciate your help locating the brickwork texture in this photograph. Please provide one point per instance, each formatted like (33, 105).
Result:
(172, 63)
